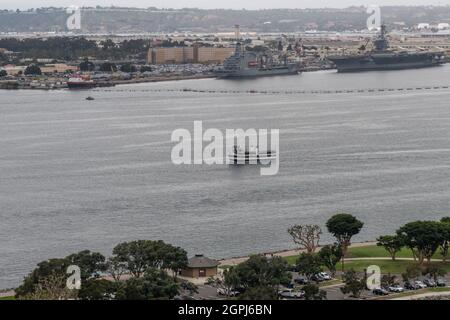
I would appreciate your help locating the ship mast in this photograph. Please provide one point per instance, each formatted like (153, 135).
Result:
(237, 33)
(237, 36)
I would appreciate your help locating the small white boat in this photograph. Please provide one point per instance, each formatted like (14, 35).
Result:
(251, 156)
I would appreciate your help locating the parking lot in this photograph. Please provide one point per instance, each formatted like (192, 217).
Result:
(333, 290)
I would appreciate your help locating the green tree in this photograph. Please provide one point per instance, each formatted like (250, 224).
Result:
(135, 255)
(116, 268)
(391, 244)
(388, 280)
(343, 227)
(108, 67)
(259, 293)
(128, 68)
(155, 284)
(97, 289)
(412, 272)
(146, 69)
(259, 272)
(313, 292)
(423, 238)
(306, 236)
(141, 255)
(45, 270)
(91, 263)
(309, 264)
(3, 73)
(445, 244)
(52, 287)
(108, 44)
(190, 287)
(353, 284)
(230, 280)
(174, 258)
(329, 256)
(33, 70)
(434, 272)
(87, 65)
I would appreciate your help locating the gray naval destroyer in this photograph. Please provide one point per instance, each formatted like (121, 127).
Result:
(382, 58)
(247, 64)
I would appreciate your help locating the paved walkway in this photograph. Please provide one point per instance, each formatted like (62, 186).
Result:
(285, 253)
(386, 258)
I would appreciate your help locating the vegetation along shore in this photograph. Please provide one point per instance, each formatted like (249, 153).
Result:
(147, 269)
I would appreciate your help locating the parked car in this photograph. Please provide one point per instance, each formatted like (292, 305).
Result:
(292, 268)
(411, 286)
(325, 276)
(429, 283)
(380, 292)
(317, 278)
(291, 294)
(225, 292)
(420, 284)
(440, 283)
(396, 288)
(301, 280)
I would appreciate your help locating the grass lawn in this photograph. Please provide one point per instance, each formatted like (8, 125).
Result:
(387, 266)
(330, 283)
(370, 252)
(291, 260)
(8, 298)
(375, 251)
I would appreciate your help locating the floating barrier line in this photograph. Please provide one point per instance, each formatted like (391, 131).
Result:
(279, 92)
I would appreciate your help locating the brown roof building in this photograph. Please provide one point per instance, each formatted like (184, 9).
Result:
(200, 267)
(194, 54)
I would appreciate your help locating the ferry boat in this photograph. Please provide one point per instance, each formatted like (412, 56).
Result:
(251, 156)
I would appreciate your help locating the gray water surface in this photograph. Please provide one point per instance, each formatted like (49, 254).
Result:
(77, 174)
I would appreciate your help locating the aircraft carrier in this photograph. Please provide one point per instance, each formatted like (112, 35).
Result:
(382, 58)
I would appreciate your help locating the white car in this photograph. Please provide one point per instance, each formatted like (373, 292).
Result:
(325, 276)
(396, 288)
(420, 284)
(225, 292)
(291, 294)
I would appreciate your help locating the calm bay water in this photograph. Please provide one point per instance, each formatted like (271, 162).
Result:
(77, 174)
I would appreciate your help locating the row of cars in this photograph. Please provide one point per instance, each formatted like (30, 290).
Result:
(291, 293)
(410, 285)
(318, 277)
(288, 292)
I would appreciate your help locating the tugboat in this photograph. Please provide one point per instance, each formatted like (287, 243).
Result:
(251, 156)
(81, 82)
(381, 58)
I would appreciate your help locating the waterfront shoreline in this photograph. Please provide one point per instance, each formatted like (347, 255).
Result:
(15, 85)
(58, 85)
(237, 260)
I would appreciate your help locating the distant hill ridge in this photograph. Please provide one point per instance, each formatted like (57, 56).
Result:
(123, 20)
